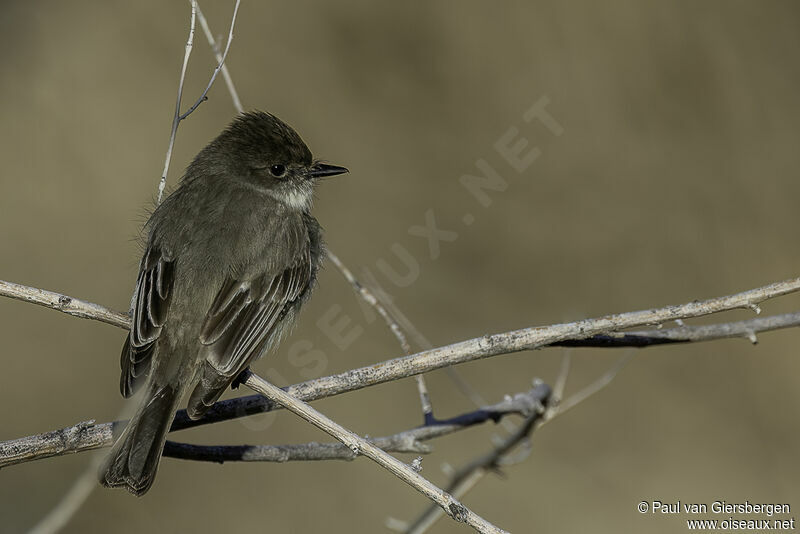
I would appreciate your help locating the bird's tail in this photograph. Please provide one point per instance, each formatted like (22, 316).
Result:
(134, 458)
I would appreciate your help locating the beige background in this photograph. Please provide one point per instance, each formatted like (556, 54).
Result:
(675, 179)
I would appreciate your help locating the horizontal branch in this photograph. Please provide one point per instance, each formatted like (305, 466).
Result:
(75, 439)
(87, 436)
(408, 441)
(483, 347)
(84, 436)
(63, 303)
(687, 334)
(684, 334)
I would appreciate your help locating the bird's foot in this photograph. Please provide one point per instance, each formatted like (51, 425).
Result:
(240, 378)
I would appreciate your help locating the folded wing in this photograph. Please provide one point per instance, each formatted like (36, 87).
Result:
(242, 323)
(149, 314)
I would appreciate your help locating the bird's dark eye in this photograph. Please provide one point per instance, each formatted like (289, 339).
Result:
(277, 170)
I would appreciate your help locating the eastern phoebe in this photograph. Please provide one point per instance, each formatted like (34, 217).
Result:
(231, 256)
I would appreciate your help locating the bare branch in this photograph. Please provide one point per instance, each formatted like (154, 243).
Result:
(683, 334)
(357, 444)
(303, 452)
(370, 299)
(63, 303)
(561, 380)
(381, 305)
(469, 475)
(686, 334)
(589, 390)
(81, 489)
(422, 342)
(408, 441)
(176, 118)
(84, 436)
(528, 338)
(220, 60)
(88, 437)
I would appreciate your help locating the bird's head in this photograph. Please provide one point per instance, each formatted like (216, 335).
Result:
(267, 154)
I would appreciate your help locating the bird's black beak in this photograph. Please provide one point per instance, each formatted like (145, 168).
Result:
(320, 170)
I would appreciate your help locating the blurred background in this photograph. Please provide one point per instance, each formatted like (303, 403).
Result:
(674, 179)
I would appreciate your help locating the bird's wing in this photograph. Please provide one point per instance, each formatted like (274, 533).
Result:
(242, 323)
(149, 313)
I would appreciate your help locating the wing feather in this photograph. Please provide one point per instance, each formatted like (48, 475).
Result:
(232, 299)
(150, 308)
(241, 324)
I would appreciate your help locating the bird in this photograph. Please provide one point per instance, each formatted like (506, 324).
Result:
(230, 257)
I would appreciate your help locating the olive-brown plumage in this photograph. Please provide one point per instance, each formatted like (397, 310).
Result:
(231, 255)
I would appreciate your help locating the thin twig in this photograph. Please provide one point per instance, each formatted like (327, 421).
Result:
(466, 477)
(359, 445)
(176, 118)
(70, 503)
(422, 342)
(589, 390)
(561, 379)
(220, 60)
(380, 306)
(370, 299)
(470, 474)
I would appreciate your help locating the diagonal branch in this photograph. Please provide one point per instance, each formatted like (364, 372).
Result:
(359, 445)
(371, 299)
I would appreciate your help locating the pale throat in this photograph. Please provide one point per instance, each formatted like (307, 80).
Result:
(296, 198)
